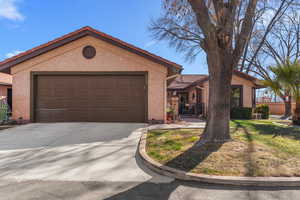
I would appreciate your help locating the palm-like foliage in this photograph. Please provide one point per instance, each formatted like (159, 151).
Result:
(275, 86)
(288, 76)
(286, 81)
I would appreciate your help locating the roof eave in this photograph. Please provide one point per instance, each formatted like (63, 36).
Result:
(10, 62)
(5, 84)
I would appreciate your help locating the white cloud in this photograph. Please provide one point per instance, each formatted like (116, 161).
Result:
(151, 43)
(13, 53)
(9, 10)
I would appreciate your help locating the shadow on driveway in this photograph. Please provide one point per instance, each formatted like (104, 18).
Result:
(84, 152)
(156, 189)
(104, 167)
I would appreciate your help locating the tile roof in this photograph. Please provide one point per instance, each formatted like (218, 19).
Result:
(10, 62)
(184, 81)
(187, 80)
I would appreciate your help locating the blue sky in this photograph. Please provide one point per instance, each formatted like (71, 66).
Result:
(25, 24)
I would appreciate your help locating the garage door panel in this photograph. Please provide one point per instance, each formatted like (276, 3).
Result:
(76, 115)
(51, 115)
(99, 98)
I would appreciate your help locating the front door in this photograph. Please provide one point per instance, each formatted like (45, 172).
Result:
(183, 101)
(9, 97)
(199, 104)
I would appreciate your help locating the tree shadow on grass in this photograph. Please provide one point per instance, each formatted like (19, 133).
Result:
(189, 159)
(271, 129)
(277, 130)
(251, 164)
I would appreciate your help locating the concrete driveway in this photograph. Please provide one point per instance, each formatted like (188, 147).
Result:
(93, 161)
(71, 152)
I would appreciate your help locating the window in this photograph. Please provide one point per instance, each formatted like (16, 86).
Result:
(236, 96)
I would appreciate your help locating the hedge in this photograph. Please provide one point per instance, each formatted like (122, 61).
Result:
(264, 110)
(241, 113)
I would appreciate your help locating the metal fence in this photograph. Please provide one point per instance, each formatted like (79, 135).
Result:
(4, 110)
(191, 109)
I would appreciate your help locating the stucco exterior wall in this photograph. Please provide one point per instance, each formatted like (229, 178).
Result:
(5, 78)
(3, 91)
(277, 108)
(247, 91)
(108, 58)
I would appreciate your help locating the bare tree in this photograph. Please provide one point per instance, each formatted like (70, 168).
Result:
(267, 16)
(280, 47)
(222, 29)
(192, 25)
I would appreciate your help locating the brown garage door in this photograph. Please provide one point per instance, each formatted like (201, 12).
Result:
(90, 98)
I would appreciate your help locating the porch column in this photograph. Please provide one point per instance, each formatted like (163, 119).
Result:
(174, 103)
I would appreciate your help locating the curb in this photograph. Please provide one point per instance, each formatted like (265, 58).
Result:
(224, 180)
(159, 127)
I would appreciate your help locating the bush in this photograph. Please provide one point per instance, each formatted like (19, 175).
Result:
(241, 113)
(170, 110)
(264, 110)
(296, 117)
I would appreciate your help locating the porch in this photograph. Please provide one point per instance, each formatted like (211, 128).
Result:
(187, 104)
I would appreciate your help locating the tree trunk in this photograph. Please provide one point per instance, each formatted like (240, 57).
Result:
(288, 107)
(220, 75)
(296, 116)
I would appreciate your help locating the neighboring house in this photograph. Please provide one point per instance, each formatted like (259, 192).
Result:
(6, 88)
(192, 92)
(89, 76)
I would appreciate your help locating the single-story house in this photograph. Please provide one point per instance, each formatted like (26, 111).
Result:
(6, 88)
(89, 76)
(191, 91)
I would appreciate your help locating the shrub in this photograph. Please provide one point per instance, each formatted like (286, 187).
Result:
(170, 110)
(264, 110)
(170, 114)
(296, 117)
(241, 113)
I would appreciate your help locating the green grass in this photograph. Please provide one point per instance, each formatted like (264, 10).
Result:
(169, 142)
(279, 137)
(258, 148)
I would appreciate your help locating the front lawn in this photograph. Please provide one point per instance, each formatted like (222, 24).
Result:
(258, 148)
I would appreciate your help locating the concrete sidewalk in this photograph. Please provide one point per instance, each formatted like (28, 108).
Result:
(174, 190)
(179, 125)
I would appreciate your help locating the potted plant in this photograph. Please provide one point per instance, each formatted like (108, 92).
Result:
(170, 114)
